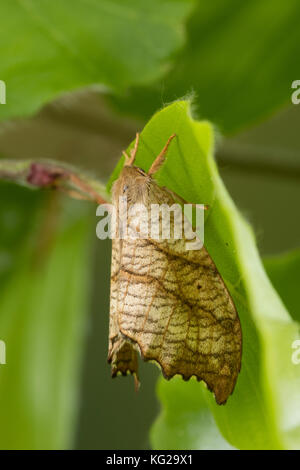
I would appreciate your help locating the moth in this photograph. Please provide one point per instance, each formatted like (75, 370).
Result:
(168, 304)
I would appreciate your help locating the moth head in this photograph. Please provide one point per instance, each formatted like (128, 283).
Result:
(133, 183)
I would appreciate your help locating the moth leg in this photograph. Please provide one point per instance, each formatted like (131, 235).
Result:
(61, 179)
(124, 360)
(72, 193)
(85, 188)
(161, 157)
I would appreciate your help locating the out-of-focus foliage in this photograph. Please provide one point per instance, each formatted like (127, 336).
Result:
(44, 270)
(49, 47)
(239, 62)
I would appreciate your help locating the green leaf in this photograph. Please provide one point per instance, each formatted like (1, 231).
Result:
(48, 48)
(239, 62)
(262, 412)
(185, 413)
(44, 266)
(284, 272)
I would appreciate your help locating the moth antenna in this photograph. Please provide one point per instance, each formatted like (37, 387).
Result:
(130, 160)
(127, 158)
(161, 157)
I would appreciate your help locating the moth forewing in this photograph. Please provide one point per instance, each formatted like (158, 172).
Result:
(170, 303)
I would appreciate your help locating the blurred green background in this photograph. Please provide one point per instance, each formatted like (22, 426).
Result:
(237, 60)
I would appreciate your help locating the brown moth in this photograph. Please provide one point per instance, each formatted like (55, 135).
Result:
(167, 303)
